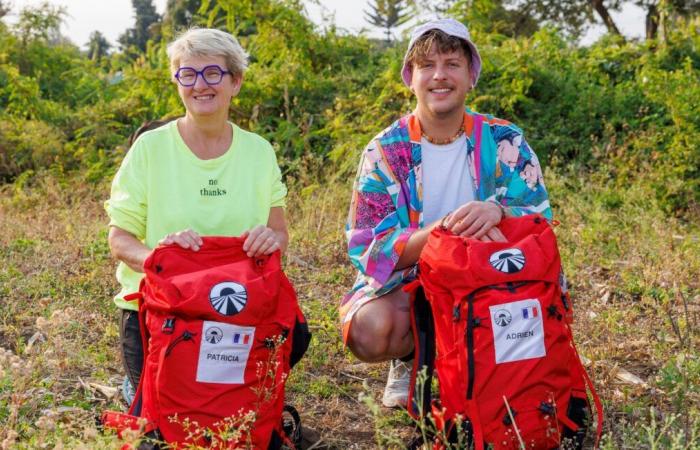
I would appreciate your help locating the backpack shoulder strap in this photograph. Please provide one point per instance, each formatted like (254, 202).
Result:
(476, 161)
(419, 394)
(596, 401)
(589, 385)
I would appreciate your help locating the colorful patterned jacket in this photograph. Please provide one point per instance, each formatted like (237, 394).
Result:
(386, 206)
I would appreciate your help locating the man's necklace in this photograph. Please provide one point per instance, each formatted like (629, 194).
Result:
(444, 141)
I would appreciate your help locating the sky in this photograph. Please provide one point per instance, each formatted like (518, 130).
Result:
(112, 17)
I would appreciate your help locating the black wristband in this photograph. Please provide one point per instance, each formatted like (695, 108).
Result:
(501, 207)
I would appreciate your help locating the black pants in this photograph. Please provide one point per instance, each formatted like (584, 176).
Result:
(131, 346)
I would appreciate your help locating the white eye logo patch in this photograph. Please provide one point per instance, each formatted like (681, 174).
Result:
(213, 335)
(510, 260)
(224, 353)
(502, 317)
(228, 298)
(518, 330)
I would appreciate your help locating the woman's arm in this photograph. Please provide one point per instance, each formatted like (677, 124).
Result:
(126, 248)
(278, 224)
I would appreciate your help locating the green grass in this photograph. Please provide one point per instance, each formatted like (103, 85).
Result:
(633, 271)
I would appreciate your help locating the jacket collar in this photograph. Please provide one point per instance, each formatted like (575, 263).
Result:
(415, 132)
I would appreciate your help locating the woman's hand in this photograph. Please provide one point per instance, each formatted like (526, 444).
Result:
(477, 220)
(185, 239)
(261, 240)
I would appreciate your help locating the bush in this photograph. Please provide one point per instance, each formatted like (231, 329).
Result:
(29, 145)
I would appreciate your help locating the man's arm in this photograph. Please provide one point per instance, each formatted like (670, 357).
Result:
(414, 246)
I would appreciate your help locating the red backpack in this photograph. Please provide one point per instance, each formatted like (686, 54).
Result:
(221, 332)
(496, 327)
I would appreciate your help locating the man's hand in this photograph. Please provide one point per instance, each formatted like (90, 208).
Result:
(476, 220)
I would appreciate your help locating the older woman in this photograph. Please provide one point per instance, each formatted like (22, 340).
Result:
(199, 175)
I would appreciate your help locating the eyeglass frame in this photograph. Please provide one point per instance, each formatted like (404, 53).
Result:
(198, 73)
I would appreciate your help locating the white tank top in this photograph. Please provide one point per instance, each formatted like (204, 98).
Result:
(447, 182)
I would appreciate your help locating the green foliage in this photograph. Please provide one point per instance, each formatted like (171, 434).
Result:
(490, 16)
(320, 96)
(41, 23)
(28, 144)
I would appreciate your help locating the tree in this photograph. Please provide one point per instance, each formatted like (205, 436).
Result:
(182, 14)
(573, 15)
(98, 46)
(388, 14)
(660, 12)
(490, 16)
(40, 23)
(147, 19)
(5, 8)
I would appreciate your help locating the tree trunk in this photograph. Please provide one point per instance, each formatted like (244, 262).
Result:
(652, 22)
(605, 15)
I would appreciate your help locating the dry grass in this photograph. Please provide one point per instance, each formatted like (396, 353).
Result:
(634, 273)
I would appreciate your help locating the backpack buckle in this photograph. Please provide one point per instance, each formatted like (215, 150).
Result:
(168, 325)
(565, 301)
(507, 421)
(546, 408)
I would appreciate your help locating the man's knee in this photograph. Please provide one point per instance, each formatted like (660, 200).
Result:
(381, 328)
(370, 335)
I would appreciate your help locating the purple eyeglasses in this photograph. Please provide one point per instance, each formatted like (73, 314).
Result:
(187, 76)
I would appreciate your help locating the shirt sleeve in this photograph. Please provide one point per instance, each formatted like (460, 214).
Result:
(519, 180)
(279, 190)
(376, 230)
(126, 206)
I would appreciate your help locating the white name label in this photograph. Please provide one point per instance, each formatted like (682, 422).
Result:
(518, 331)
(223, 352)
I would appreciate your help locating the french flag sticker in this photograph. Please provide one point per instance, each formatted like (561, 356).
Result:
(530, 312)
(241, 338)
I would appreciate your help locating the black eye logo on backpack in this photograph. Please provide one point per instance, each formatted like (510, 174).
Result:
(228, 298)
(502, 317)
(510, 260)
(213, 335)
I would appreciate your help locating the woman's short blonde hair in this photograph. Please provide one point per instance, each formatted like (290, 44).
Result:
(208, 42)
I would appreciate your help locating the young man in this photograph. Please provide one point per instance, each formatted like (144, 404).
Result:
(422, 171)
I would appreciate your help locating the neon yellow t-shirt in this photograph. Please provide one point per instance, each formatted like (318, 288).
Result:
(162, 187)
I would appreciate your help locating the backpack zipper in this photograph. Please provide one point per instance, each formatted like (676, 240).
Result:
(470, 345)
(185, 336)
(469, 332)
